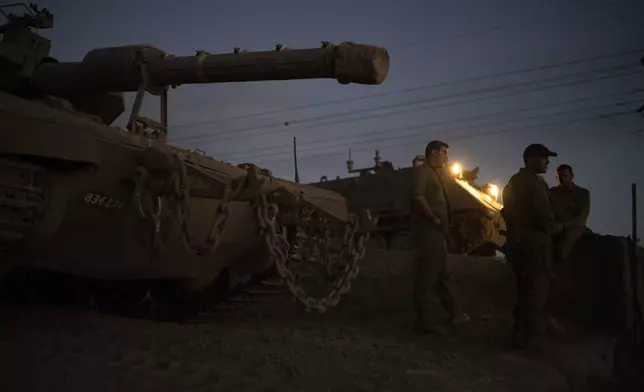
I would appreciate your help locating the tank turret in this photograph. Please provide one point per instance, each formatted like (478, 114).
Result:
(21, 49)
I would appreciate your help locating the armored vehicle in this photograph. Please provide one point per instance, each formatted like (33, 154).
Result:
(87, 199)
(477, 224)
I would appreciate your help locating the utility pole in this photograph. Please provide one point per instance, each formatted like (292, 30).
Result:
(634, 213)
(635, 269)
(641, 109)
(297, 175)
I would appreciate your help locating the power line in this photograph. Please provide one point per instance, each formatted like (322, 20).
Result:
(306, 106)
(435, 123)
(412, 89)
(427, 100)
(472, 126)
(469, 136)
(235, 133)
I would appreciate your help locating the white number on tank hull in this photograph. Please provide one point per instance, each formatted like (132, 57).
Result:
(104, 201)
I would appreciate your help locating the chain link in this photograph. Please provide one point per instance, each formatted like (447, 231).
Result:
(279, 251)
(177, 198)
(141, 176)
(219, 220)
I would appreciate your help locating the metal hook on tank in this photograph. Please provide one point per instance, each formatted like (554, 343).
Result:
(271, 211)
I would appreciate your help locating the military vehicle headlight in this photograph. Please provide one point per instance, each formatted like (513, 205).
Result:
(493, 190)
(456, 170)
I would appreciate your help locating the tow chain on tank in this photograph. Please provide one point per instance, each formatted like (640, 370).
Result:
(317, 247)
(141, 176)
(220, 218)
(322, 242)
(176, 197)
(22, 202)
(279, 251)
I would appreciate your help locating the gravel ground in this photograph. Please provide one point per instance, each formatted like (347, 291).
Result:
(364, 344)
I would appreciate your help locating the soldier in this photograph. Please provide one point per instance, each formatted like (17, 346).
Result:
(571, 205)
(530, 225)
(430, 216)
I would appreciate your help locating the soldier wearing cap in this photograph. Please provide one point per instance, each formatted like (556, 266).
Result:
(530, 223)
(571, 205)
(430, 218)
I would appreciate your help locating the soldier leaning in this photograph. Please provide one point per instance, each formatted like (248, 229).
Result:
(430, 217)
(530, 225)
(571, 205)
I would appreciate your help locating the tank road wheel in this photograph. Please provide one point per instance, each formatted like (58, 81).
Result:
(126, 298)
(330, 257)
(161, 300)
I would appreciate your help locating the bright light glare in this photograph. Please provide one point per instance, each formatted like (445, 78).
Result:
(457, 170)
(493, 190)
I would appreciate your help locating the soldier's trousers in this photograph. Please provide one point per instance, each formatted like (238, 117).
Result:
(531, 261)
(430, 271)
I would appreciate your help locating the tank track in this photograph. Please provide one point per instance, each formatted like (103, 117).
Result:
(22, 203)
(153, 300)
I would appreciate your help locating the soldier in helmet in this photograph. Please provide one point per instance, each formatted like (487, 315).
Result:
(571, 205)
(530, 225)
(430, 215)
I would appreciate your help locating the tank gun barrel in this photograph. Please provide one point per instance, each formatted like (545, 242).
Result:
(119, 69)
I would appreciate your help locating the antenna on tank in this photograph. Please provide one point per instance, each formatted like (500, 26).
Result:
(350, 162)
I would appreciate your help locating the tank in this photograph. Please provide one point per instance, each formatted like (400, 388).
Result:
(85, 199)
(477, 226)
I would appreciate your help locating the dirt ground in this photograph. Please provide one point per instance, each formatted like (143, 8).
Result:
(364, 344)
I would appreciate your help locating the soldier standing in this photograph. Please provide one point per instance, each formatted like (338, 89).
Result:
(530, 225)
(430, 218)
(571, 205)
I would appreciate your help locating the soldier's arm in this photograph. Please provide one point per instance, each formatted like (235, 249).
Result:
(584, 212)
(542, 209)
(506, 195)
(419, 184)
(585, 208)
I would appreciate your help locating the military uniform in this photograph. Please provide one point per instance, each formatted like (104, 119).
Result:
(431, 241)
(530, 225)
(571, 208)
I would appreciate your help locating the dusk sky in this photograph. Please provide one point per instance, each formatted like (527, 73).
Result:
(565, 73)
